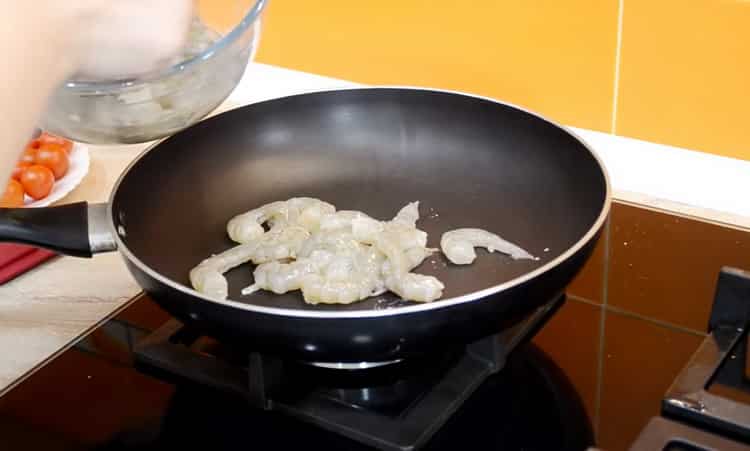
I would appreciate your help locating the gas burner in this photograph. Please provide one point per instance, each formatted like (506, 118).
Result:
(353, 366)
(708, 404)
(387, 405)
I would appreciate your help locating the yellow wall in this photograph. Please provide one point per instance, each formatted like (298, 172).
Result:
(553, 56)
(685, 74)
(683, 64)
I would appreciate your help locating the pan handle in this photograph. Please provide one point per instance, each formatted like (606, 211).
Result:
(77, 229)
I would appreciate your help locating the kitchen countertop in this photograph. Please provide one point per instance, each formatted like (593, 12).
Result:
(43, 311)
(48, 309)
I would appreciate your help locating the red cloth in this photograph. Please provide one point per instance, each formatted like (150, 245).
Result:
(16, 259)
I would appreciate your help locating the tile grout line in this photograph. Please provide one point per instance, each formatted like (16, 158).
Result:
(618, 49)
(575, 298)
(657, 322)
(602, 318)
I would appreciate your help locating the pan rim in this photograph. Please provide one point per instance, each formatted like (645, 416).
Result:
(409, 309)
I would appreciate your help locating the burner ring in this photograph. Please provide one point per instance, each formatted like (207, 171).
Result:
(352, 366)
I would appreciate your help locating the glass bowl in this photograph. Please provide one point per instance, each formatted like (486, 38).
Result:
(224, 37)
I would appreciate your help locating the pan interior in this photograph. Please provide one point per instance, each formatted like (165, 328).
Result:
(470, 162)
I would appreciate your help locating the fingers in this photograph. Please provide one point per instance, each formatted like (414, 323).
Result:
(130, 38)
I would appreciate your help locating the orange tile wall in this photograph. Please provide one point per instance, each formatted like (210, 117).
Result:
(670, 71)
(553, 57)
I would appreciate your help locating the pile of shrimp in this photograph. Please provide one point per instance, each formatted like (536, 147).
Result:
(337, 257)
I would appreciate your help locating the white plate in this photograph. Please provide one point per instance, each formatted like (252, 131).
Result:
(78, 167)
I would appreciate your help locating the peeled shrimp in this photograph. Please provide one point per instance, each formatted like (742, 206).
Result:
(208, 276)
(458, 245)
(311, 216)
(403, 244)
(355, 252)
(338, 257)
(342, 220)
(400, 242)
(325, 275)
(389, 246)
(405, 248)
(415, 287)
(417, 255)
(409, 215)
(279, 244)
(279, 277)
(317, 289)
(346, 279)
(248, 226)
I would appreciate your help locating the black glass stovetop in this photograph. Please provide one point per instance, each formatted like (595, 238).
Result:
(98, 396)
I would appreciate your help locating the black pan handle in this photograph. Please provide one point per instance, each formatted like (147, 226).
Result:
(77, 229)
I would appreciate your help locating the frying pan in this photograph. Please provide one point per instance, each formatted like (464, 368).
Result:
(469, 161)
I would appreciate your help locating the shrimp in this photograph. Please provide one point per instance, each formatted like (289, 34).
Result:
(369, 230)
(311, 216)
(408, 216)
(342, 220)
(336, 242)
(404, 227)
(317, 289)
(247, 227)
(330, 267)
(405, 248)
(458, 245)
(279, 244)
(403, 244)
(346, 278)
(279, 277)
(414, 258)
(338, 257)
(415, 287)
(389, 246)
(208, 277)
(324, 276)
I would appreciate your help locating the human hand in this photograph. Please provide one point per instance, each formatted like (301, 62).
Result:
(44, 42)
(126, 38)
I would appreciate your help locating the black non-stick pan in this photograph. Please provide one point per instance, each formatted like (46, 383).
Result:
(469, 161)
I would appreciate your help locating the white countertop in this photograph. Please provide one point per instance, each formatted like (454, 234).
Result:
(701, 185)
(48, 309)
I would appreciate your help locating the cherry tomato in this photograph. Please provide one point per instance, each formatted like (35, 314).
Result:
(54, 157)
(18, 169)
(13, 196)
(47, 138)
(28, 155)
(37, 181)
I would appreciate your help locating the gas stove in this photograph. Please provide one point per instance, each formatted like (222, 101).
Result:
(708, 405)
(394, 406)
(501, 392)
(171, 386)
